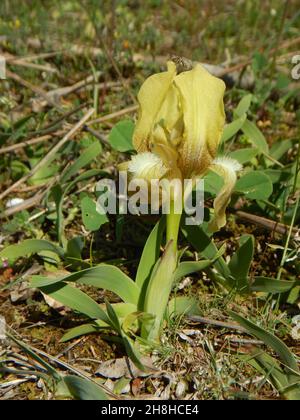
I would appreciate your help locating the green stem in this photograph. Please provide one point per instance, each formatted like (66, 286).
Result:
(173, 223)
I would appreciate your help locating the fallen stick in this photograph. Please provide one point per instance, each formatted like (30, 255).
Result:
(37, 90)
(266, 223)
(27, 143)
(27, 204)
(50, 155)
(18, 61)
(113, 115)
(214, 323)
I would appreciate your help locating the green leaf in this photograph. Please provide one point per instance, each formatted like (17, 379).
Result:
(121, 309)
(133, 353)
(240, 262)
(150, 253)
(86, 157)
(120, 136)
(103, 276)
(187, 267)
(233, 128)
(253, 133)
(256, 185)
(269, 339)
(59, 194)
(92, 220)
(281, 147)
(29, 247)
(74, 248)
(79, 331)
(288, 386)
(158, 291)
(205, 246)
(83, 389)
(213, 183)
(244, 105)
(74, 299)
(44, 174)
(244, 155)
(270, 285)
(183, 305)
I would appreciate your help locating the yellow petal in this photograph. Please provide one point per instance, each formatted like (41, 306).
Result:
(203, 110)
(226, 168)
(151, 98)
(168, 127)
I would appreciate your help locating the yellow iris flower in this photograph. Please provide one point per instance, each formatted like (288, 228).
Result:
(179, 127)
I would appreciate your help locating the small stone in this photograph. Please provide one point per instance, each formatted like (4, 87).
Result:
(180, 389)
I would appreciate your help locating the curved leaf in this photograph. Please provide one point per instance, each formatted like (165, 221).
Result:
(29, 247)
(76, 300)
(269, 339)
(83, 389)
(103, 276)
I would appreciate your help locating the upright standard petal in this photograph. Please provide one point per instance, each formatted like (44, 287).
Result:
(151, 98)
(204, 117)
(227, 169)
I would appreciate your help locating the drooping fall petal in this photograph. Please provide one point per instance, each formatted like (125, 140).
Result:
(226, 168)
(201, 97)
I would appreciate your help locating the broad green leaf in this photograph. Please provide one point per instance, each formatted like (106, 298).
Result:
(256, 185)
(183, 305)
(92, 220)
(187, 267)
(244, 155)
(114, 319)
(75, 247)
(74, 299)
(29, 247)
(278, 175)
(103, 276)
(240, 262)
(269, 339)
(132, 319)
(270, 285)
(253, 133)
(120, 136)
(158, 290)
(86, 157)
(206, 247)
(83, 389)
(213, 183)
(150, 253)
(122, 310)
(233, 128)
(133, 353)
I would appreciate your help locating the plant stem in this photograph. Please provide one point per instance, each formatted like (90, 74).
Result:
(288, 240)
(173, 223)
